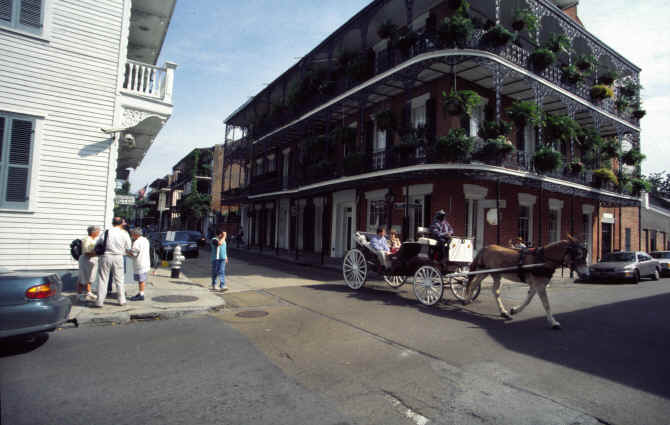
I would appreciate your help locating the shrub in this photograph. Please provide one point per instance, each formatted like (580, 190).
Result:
(547, 159)
(601, 92)
(542, 59)
(524, 112)
(455, 146)
(633, 157)
(603, 175)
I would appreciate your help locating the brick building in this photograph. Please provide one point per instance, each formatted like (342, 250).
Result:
(415, 106)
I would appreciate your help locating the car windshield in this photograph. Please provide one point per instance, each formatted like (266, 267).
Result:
(619, 256)
(660, 254)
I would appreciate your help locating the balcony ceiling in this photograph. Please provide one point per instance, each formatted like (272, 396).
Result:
(130, 156)
(149, 21)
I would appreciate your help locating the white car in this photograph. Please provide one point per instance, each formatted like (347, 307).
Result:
(663, 258)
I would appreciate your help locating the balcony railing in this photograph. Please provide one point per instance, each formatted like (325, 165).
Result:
(149, 81)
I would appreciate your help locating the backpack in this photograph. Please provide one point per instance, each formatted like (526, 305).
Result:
(101, 247)
(75, 249)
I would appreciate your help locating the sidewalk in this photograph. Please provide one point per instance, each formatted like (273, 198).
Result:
(165, 298)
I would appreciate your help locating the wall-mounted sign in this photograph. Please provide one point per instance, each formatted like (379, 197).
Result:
(492, 217)
(608, 218)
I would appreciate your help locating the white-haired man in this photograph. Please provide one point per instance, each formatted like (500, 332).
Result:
(116, 242)
(142, 260)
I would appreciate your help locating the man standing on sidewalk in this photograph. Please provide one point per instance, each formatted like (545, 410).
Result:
(142, 263)
(219, 258)
(118, 242)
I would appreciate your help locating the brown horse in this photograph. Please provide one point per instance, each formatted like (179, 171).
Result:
(568, 253)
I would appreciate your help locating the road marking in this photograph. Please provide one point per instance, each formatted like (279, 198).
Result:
(417, 418)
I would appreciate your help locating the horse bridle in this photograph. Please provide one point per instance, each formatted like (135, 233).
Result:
(574, 250)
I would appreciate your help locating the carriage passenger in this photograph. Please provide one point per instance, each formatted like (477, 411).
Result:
(441, 230)
(395, 242)
(381, 245)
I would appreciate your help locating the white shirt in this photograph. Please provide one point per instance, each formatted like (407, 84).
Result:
(118, 241)
(141, 255)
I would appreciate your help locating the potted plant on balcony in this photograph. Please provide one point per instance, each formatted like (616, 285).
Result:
(638, 112)
(609, 149)
(498, 36)
(604, 175)
(542, 59)
(493, 129)
(639, 185)
(571, 74)
(524, 18)
(494, 150)
(461, 102)
(456, 146)
(601, 92)
(354, 163)
(524, 112)
(588, 139)
(622, 104)
(630, 89)
(575, 167)
(557, 43)
(633, 157)
(560, 128)
(608, 78)
(547, 159)
(385, 121)
(455, 31)
(585, 63)
(387, 30)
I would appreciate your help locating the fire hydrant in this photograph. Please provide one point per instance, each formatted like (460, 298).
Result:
(177, 261)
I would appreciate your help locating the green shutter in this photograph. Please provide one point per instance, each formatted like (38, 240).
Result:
(6, 10)
(31, 13)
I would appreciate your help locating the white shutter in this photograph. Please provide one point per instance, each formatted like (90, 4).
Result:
(31, 13)
(18, 164)
(6, 10)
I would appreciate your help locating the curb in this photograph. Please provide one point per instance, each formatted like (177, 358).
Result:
(122, 318)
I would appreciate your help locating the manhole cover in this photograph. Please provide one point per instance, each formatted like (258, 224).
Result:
(252, 313)
(174, 299)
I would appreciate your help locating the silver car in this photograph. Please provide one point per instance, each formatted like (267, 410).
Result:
(663, 258)
(626, 265)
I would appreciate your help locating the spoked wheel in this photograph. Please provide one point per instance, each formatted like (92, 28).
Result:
(354, 269)
(428, 285)
(395, 281)
(458, 285)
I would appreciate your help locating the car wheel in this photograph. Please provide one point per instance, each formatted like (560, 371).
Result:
(636, 278)
(656, 275)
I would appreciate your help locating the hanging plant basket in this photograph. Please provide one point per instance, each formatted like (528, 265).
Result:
(385, 121)
(575, 167)
(601, 92)
(456, 146)
(542, 59)
(497, 37)
(461, 102)
(547, 160)
(493, 130)
(585, 63)
(639, 113)
(524, 19)
(406, 39)
(557, 43)
(633, 157)
(455, 31)
(494, 150)
(622, 105)
(638, 185)
(604, 175)
(630, 89)
(387, 30)
(609, 149)
(560, 128)
(524, 112)
(571, 74)
(608, 78)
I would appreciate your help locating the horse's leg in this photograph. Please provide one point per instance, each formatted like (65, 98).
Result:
(531, 294)
(472, 283)
(497, 283)
(542, 292)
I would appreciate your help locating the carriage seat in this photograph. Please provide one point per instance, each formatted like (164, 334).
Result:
(422, 236)
(363, 239)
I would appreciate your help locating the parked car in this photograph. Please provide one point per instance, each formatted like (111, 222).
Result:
(30, 303)
(197, 237)
(162, 248)
(663, 258)
(627, 265)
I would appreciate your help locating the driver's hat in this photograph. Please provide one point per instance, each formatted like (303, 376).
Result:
(441, 214)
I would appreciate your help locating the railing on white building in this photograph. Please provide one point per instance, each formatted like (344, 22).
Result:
(149, 81)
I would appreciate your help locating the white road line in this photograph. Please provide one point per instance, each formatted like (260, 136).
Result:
(417, 418)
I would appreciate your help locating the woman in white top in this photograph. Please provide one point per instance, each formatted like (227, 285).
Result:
(88, 263)
(141, 259)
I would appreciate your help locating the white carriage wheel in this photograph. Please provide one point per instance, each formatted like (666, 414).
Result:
(354, 269)
(460, 283)
(395, 281)
(428, 285)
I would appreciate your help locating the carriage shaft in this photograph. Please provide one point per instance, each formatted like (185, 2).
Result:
(503, 269)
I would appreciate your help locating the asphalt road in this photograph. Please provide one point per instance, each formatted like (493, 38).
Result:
(326, 354)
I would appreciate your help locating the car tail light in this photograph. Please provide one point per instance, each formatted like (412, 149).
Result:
(41, 291)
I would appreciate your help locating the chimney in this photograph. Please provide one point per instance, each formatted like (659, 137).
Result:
(569, 7)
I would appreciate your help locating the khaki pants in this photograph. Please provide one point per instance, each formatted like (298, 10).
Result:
(113, 264)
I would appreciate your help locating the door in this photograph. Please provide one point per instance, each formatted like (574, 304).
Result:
(308, 227)
(416, 215)
(347, 228)
(606, 239)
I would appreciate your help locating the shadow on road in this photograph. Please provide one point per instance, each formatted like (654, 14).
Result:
(15, 346)
(626, 342)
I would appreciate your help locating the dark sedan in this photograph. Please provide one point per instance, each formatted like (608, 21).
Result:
(31, 302)
(197, 237)
(163, 248)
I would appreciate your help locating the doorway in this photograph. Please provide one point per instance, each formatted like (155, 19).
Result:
(607, 232)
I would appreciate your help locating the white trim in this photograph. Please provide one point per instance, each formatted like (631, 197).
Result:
(588, 209)
(420, 101)
(475, 192)
(29, 113)
(376, 195)
(442, 54)
(419, 189)
(40, 34)
(555, 204)
(527, 200)
(491, 203)
(657, 211)
(448, 166)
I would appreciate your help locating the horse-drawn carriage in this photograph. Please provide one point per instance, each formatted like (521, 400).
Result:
(421, 259)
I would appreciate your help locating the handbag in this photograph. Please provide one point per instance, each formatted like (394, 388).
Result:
(101, 247)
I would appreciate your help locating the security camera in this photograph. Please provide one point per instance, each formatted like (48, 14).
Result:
(129, 140)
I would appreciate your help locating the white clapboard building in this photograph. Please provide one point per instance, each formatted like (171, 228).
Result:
(81, 101)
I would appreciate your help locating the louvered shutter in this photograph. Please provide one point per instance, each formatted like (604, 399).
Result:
(6, 10)
(18, 167)
(2, 138)
(31, 13)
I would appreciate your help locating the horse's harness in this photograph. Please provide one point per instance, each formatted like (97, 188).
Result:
(573, 250)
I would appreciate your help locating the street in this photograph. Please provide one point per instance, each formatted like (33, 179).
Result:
(295, 345)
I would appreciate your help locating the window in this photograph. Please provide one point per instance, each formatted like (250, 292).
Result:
(377, 215)
(16, 150)
(379, 148)
(272, 165)
(627, 239)
(259, 167)
(555, 207)
(25, 15)
(524, 223)
(652, 240)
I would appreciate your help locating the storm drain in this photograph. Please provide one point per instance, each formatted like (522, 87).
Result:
(249, 314)
(174, 299)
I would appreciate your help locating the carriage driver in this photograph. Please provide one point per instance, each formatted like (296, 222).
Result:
(441, 230)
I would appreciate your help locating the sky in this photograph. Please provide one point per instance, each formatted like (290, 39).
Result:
(228, 51)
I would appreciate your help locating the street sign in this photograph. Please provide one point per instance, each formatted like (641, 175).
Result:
(124, 200)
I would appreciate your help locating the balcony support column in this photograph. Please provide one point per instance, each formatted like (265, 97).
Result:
(541, 92)
(498, 21)
(170, 68)
(409, 7)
